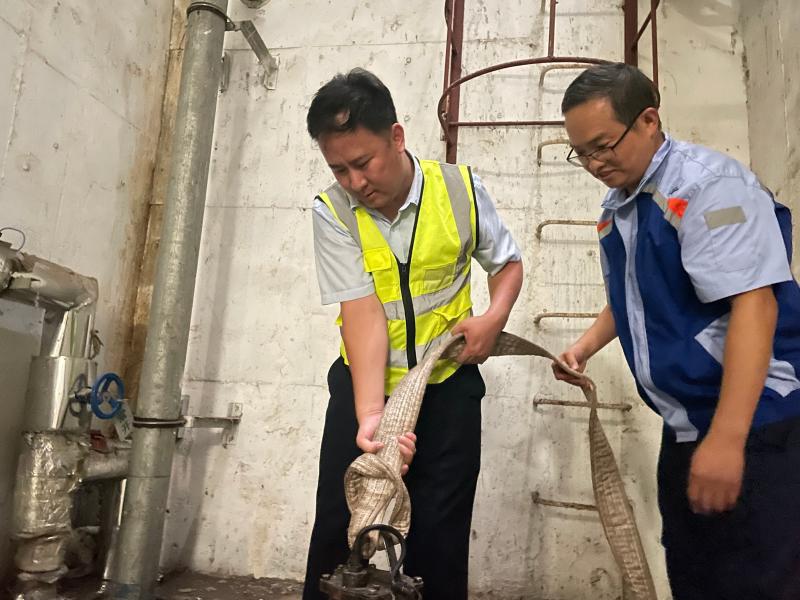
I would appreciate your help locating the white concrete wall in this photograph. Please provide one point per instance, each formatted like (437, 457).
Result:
(772, 51)
(80, 98)
(259, 336)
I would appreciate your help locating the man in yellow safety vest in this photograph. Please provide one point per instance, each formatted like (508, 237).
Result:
(394, 241)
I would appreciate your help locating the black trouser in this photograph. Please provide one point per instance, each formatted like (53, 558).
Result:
(751, 552)
(441, 483)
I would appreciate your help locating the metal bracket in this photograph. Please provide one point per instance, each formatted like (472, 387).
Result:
(267, 61)
(23, 281)
(537, 499)
(623, 406)
(549, 68)
(581, 222)
(197, 5)
(537, 319)
(541, 145)
(229, 424)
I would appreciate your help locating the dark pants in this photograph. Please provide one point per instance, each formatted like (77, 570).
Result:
(441, 483)
(751, 552)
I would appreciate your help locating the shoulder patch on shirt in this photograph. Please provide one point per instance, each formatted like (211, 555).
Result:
(724, 216)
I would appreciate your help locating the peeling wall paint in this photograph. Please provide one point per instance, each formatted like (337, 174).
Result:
(79, 117)
(259, 336)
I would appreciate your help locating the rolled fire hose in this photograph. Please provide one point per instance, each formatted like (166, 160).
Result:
(376, 492)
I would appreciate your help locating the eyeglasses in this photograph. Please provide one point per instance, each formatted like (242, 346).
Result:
(603, 154)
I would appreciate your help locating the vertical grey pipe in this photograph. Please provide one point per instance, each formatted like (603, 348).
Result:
(173, 291)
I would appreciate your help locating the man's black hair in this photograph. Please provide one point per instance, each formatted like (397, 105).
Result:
(348, 101)
(628, 89)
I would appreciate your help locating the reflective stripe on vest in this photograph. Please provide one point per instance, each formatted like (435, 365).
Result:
(438, 276)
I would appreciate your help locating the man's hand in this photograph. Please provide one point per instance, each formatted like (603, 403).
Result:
(602, 331)
(406, 443)
(715, 476)
(575, 358)
(480, 334)
(367, 426)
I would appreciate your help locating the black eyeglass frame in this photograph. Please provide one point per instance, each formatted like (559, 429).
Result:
(582, 160)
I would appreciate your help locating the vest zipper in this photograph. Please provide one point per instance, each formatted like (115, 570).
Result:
(405, 288)
(408, 308)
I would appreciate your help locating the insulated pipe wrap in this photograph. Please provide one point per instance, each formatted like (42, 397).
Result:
(48, 472)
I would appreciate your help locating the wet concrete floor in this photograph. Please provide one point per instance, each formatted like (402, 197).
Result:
(195, 586)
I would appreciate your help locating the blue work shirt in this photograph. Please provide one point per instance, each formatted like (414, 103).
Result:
(698, 229)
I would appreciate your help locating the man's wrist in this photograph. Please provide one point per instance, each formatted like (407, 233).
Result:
(734, 434)
(583, 350)
(497, 317)
(369, 413)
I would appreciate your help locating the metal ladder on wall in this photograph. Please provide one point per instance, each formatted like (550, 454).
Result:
(448, 114)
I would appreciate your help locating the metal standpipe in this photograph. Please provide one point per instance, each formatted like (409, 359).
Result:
(159, 402)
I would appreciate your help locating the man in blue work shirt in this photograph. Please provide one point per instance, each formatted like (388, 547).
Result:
(695, 256)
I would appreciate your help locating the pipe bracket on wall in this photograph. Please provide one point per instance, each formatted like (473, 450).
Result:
(229, 424)
(268, 61)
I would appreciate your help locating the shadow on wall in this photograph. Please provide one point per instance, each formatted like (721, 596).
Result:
(20, 330)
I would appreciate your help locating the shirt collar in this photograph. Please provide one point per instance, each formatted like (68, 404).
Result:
(414, 192)
(616, 198)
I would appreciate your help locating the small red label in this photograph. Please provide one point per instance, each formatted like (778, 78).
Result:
(677, 205)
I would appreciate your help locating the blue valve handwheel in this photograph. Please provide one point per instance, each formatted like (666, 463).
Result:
(100, 394)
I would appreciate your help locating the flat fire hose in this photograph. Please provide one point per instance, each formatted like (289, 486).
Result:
(376, 492)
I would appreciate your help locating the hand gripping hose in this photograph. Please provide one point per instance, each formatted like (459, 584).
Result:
(376, 493)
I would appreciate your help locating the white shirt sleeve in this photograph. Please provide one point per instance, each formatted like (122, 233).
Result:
(340, 266)
(495, 246)
(731, 241)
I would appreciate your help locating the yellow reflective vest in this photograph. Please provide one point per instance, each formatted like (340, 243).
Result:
(428, 295)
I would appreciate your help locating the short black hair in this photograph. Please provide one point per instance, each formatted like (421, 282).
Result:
(355, 99)
(628, 89)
